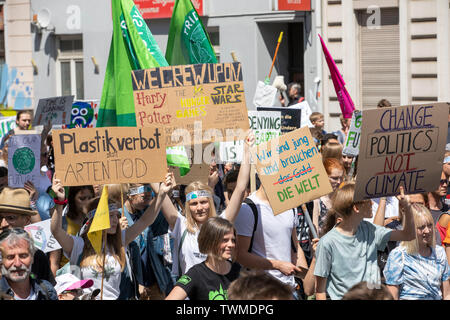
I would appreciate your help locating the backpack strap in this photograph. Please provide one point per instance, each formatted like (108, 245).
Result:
(41, 284)
(252, 206)
(179, 251)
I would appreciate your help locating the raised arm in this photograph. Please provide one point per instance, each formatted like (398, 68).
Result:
(58, 232)
(168, 209)
(152, 211)
(381, 212)
(409, 229)
(242, 181)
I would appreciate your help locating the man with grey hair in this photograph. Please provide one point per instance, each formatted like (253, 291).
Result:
(15, 212)
(294, 94)
(18, 250)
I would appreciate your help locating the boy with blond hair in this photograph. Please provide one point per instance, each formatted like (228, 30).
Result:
(317, 120)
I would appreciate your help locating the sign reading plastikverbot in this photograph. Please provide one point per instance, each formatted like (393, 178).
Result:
(85, 156)
(193, 104)
(290, 169)
(401, 146)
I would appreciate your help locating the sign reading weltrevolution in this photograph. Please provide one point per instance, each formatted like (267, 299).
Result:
(193, 104)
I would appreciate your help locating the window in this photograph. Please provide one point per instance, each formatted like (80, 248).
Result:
(379, 58)
(213, 33)
(69, 67)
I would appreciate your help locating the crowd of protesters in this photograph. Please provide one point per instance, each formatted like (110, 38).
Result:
(217, 240)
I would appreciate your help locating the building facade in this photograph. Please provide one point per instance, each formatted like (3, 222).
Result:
(393, 49)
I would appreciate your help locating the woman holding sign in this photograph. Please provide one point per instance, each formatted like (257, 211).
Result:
(347, 254)
(418, 269)
(198, 209)
(79, 248)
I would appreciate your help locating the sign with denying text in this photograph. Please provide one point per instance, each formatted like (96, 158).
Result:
(193, 104)
(85, 156)
(290, 169)
(402, 146)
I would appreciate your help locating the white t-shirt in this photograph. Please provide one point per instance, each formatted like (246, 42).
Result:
(111, 282)
(391, 208)
(273, 234)
(190, 254)
(31, 296)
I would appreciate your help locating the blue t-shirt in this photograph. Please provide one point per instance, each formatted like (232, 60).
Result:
(418, 277)
(347, 260)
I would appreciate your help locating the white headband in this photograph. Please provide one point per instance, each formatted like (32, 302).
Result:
(197, 193)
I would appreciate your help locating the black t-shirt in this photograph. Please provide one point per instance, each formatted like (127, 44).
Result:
(201, 283)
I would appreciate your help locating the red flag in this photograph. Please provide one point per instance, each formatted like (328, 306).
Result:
(345, 101)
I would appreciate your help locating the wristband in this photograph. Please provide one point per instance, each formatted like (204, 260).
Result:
(60, 202)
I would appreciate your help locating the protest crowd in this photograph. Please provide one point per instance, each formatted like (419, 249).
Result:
(317, 224)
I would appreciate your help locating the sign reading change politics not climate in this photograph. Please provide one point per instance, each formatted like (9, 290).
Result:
(193, 104)
(85, 156)
(402, 146)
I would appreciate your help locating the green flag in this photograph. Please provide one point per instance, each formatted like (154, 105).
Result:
(132, 48)
(188, 41)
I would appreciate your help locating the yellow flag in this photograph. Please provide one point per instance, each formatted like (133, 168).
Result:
(100, 222)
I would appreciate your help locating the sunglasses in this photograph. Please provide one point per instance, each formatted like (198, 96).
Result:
(75, 292)
(443, 181)
(6, 233)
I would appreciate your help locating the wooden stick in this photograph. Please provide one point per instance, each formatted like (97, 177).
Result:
(121, 199)
(276, 52)
(309, 222)
(103, 266)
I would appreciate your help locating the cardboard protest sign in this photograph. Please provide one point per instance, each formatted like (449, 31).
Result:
(6, 124)
(84, 113)
(351, 146)
(290, 117)
(231, 151)
(85, 156)
(198, 172)
(193, 104)
(265, 125)
(290, 169)
(42, 236)
(56, 110)
(24, 159)
(402, 146)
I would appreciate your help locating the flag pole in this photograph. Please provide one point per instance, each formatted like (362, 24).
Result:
(121, 198)
(103, 263)
(274, 57)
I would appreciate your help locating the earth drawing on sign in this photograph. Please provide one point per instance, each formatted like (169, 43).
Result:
(23, 160)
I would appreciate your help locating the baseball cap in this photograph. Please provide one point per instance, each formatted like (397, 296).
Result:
(68, 281)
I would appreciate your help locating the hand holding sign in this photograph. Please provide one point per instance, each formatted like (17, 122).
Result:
(58, 188)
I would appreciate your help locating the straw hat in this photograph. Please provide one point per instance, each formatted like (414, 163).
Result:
(16, 201)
